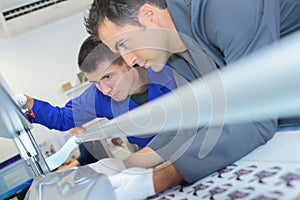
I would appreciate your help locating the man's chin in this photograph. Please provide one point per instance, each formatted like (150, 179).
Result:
(156, 68)
(118, 99)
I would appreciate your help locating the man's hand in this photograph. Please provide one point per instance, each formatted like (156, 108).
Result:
(133, 183)
(20, 99)
(23, 101)
(68, 165)
(108, 166)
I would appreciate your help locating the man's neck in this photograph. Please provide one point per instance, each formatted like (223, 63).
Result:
(141, 84)
(140, 98)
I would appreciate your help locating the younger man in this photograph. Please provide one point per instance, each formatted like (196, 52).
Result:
(117, 88)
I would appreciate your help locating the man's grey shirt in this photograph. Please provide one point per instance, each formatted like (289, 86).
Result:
(224, 31)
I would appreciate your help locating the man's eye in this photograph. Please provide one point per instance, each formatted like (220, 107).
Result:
(122, 46)
(107, 77)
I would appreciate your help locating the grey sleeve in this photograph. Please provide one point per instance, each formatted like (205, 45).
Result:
(234, 142)
(97, 149)
(182, 147)
(167, 143)
(289, 17)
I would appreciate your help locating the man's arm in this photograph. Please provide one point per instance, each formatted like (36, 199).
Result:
(145, 158)
(43, 113)
(138, 182)
(164, 176)
(75, 112)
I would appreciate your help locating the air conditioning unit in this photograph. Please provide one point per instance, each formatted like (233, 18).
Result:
(18, 16)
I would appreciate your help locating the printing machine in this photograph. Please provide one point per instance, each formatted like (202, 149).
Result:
(75, 183)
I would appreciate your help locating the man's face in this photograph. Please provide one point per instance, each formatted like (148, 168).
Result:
(115, 81)
(144, 46)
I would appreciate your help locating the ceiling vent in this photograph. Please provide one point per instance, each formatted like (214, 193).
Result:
(20, 16)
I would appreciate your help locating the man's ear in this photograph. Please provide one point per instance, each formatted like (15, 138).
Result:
(148, 15)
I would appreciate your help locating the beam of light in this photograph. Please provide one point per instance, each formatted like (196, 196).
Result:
(263, 85)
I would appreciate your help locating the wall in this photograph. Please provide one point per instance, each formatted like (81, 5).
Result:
(38, 63)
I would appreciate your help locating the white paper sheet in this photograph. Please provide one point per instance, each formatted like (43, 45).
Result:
(62, 154)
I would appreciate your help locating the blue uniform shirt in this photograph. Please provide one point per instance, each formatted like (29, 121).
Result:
(94, 104)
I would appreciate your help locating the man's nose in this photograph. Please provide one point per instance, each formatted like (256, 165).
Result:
(106, 89)
(130, 58)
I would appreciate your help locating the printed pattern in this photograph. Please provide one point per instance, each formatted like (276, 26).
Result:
(243, 180)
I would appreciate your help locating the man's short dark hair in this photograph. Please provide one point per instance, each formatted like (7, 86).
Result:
(93, 52)
(121, 12)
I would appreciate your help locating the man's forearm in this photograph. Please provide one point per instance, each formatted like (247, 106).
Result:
(145, 158)
(165, 177)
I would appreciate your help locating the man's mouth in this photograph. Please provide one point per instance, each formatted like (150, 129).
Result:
(115, 94)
